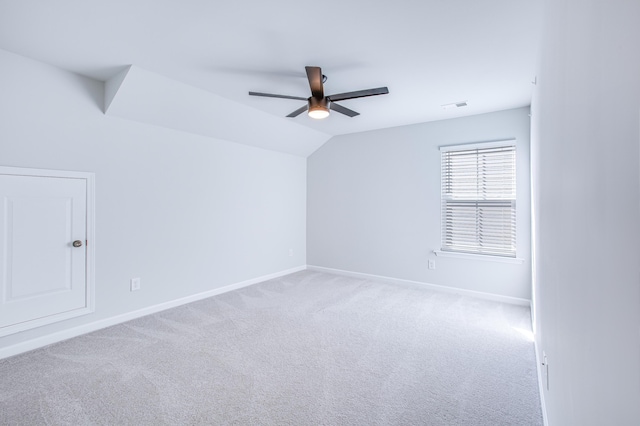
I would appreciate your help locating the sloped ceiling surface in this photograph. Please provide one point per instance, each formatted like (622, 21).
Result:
(140, 95)
(206, 55)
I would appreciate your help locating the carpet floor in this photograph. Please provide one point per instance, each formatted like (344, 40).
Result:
(305, 349)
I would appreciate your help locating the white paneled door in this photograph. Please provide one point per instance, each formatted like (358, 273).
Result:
(43, 249)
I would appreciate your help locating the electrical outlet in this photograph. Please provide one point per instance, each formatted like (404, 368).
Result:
(290, 252)
(432, 264)
(135, 284)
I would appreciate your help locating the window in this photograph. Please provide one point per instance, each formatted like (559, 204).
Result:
(479, 199)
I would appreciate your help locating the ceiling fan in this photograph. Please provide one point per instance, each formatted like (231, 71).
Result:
(318, 104)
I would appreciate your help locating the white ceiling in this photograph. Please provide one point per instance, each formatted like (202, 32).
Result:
(427, 52)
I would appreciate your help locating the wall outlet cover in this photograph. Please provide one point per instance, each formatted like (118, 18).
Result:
(135, 284)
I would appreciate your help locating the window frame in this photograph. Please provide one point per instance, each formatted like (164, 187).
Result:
(447, 251)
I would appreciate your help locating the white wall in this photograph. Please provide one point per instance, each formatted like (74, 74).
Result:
(373, 204)
(185, 213)
(585, 163)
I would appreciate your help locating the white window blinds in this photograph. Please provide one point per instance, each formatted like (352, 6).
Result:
(479, 199)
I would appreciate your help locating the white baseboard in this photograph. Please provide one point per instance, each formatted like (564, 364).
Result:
(545, 421)
(435, 287)
(59, 336)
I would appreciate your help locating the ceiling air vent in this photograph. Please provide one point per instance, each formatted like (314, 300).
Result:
(455, 105)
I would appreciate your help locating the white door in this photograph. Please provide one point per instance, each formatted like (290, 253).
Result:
(43, 256)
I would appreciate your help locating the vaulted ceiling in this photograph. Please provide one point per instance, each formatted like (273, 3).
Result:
(427, 52)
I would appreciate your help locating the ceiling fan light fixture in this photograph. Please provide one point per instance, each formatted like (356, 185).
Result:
(318, 108)
(319, 113)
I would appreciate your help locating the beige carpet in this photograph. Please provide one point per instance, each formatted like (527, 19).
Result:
(305, 349)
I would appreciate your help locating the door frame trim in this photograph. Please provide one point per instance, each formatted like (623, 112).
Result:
(90, 247)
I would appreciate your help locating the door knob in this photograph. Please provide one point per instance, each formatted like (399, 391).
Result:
(77, 243)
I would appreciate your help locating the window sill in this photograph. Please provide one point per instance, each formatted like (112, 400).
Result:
(499, 259)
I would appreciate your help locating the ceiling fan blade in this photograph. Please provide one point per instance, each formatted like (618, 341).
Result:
(358, 94)
(314, 75)
(298, 111)
(342, 110)
(270, 95)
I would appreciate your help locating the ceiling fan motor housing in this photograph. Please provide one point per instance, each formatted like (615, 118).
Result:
(318, 104)
(318, 107)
